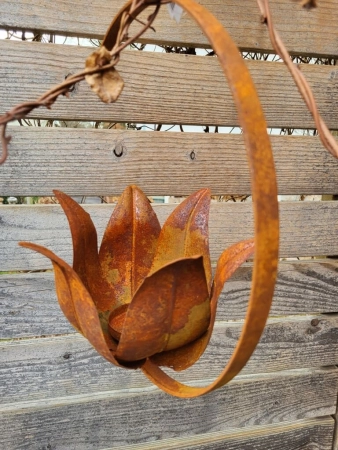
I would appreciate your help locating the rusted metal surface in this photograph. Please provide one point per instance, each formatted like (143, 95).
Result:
(146, 299)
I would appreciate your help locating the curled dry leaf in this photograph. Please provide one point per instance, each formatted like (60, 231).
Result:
(107, 84)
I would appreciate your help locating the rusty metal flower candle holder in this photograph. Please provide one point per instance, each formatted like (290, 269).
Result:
(147, 299)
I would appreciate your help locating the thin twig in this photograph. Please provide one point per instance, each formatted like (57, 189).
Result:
(325, 136)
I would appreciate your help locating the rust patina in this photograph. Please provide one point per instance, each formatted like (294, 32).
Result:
(147, 294)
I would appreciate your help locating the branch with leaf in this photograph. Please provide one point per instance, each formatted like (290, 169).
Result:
(105, 81)
(100, 72)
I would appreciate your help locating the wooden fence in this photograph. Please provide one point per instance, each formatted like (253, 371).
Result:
(57, 393)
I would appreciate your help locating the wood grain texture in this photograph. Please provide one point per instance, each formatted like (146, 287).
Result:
(61, 366)
(303, 32)
(160, 88)
(300, 435)
(144, 415)
(56, 392)
(28, 304)
(42, 159)
(335, 433)
(307, 229)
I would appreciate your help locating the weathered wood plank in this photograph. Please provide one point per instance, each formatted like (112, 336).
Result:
(42, 159)
(160, 88)
(147, 415)
(37, 369)
(28, 304)
(300, 435)
(307, 229)
(314, 32)
(335, 434)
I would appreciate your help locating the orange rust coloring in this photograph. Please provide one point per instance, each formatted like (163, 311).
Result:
(147, 296)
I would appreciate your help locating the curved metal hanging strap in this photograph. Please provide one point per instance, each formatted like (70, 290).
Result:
(264, 191)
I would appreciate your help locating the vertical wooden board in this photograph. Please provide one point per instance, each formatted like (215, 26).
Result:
(335, 434)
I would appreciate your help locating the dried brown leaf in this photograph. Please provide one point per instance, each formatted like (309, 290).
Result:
(107, 84)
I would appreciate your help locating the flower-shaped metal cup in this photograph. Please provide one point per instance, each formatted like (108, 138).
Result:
(146, 298)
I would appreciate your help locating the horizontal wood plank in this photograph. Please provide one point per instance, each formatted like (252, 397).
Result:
(56, 392)
(146, 415)
(37, 369)
(160, 88)
(299, 435)
(307, 229)
(303, 32)
(42, 159)
(28, 304)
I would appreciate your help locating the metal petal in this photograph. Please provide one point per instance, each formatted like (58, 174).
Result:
(228, 263)
(185, 233)
(77, 304)
(129, 244)
(85, 252)
(170, 309)
(181, 358)
(62, 288)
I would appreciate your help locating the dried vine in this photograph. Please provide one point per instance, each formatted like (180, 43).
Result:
(48, 98)
(326, 137)
(105, 62)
